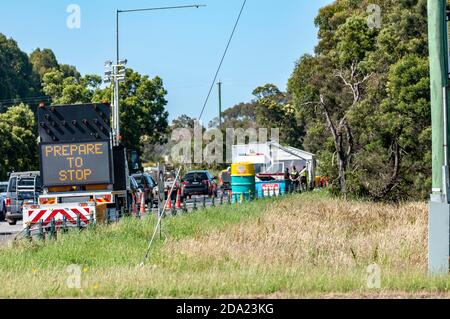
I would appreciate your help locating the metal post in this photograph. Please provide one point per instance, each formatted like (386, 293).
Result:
(91, 220)
(439, 211)
(185, 209)
(41, 230)
(64, 224)
(117, 36)
(220, 103)
(28, 232)
(53, 229)
(195, 204)
(204, 202)
(174, 210)
(79, 220)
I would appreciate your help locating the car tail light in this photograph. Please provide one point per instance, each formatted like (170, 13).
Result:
(185, 183)
(8, 201)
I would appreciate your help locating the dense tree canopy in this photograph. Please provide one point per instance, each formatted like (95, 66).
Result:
(368, 89)
(17, 79)
(18, 144)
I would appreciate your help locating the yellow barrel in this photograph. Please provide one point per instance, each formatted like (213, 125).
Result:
(243, 181)
(243, 169)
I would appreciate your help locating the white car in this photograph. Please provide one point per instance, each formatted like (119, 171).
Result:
(3, 189)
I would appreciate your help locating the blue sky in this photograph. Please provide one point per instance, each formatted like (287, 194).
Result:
(184, 46)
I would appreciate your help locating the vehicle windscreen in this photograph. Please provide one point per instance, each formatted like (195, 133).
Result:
(26, 182)
(28, 187)
(196, 177)
(3, 188)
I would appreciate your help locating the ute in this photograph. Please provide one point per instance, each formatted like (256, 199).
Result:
(84, 173)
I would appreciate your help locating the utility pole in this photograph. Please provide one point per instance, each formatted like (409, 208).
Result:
(439, 210)
(220, 103)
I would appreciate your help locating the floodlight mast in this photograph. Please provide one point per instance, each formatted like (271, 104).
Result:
(118, 70)
(115, 74)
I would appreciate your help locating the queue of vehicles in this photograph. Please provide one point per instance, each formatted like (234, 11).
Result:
(24, 190)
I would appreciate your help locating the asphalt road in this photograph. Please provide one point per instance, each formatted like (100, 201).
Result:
(8, 232)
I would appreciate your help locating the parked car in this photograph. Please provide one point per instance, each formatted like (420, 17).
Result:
(199, 183)
(3, 189)
(146, 183)
(23, 188)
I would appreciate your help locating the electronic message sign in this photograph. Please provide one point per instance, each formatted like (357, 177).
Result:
(75, 164)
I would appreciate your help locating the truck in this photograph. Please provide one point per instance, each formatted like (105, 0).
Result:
(84, 175)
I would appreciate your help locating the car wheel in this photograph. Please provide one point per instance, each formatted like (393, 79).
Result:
(2, 214)
(12, 222)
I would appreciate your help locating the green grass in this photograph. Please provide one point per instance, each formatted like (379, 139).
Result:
(302, 246)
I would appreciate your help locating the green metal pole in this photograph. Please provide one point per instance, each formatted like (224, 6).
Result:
(438, 80)
(439, 211)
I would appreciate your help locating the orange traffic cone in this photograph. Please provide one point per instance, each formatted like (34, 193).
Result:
(169, 203)
(178, 203)
(142, 210)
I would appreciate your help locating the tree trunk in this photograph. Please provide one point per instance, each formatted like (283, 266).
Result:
(342, 163)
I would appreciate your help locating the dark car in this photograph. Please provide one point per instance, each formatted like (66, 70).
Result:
(146, 184)
(199, 183)
(23, 188)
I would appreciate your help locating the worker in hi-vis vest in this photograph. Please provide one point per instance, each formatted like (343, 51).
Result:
(304, 179)
(295, 178)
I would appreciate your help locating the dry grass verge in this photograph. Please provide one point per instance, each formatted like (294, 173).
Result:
(304, 246)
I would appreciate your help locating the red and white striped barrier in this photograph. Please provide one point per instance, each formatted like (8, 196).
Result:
(34, 214)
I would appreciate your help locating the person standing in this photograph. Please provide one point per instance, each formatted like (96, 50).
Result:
(287, 181)
(304, 178)
(295, 175)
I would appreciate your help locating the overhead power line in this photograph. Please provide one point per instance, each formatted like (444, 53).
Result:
(221, 61)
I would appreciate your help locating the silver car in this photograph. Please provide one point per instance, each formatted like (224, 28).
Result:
(3, 189)
(23, 188)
